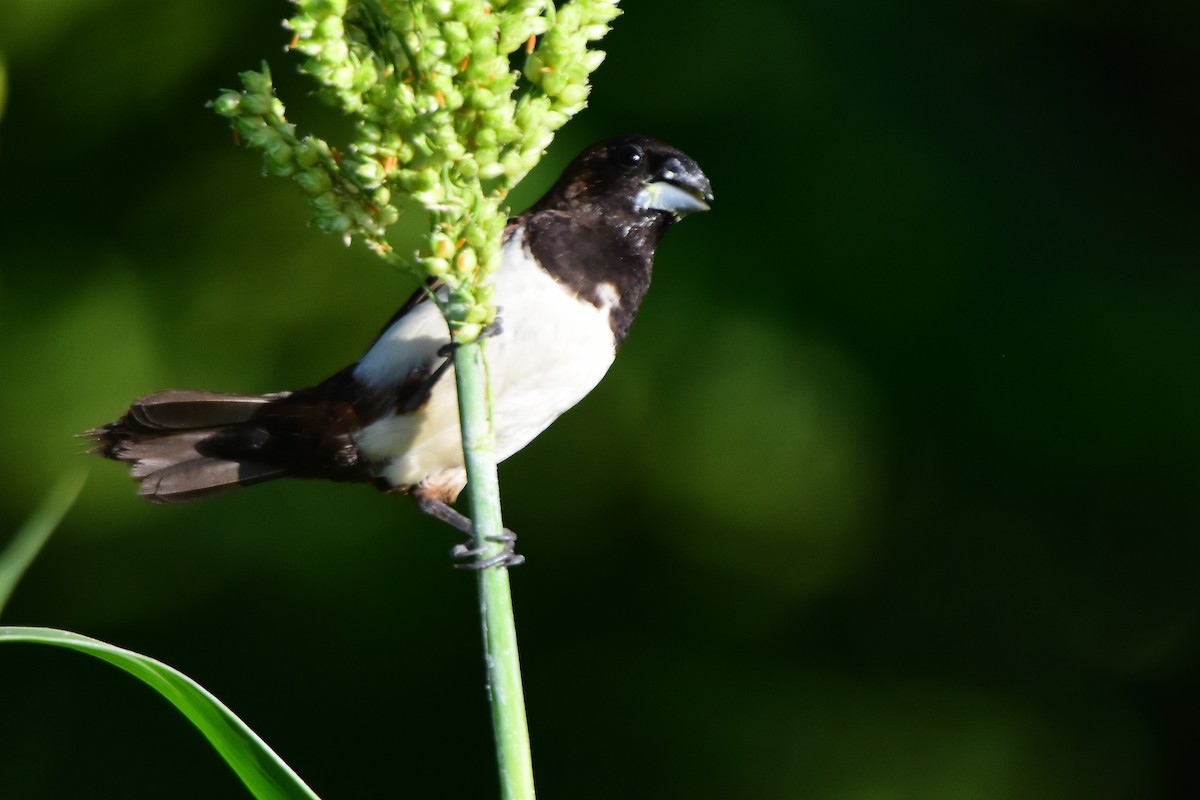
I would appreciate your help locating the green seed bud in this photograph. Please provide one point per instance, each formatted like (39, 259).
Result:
(573, 96)
(364, 77)
(496, 118)
(453, 151)
(370, 172)
(514, 32)
(402, 20)
(485, 156)
(280, 169)
(320, 8)
(388, 214)
(256, 82)
(491, 171)
(326, 203)
(302, 26)
(492, 263)
(444, 137)
(436, 48)
(605, 12)
(470, 12)
(363, 218)
(533, 67)
(259, 104)
(435, 266)
(334, 223)
(342, 77)
(553, 83)
(307, 154)
(314, 181)
(529, 109)
(420, 180)
(483, 98)
(452, 98)
(476, 237)
(263, 137)
(228, 104)
(592, 60)
(553, 54)
(331, 28)
(336, 52)
(434, 196)
(465, 263)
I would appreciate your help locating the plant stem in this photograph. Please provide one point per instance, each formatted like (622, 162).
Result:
(505, 694)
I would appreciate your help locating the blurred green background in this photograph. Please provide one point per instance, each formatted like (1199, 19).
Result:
(892, 492)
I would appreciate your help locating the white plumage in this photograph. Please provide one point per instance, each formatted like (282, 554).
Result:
(547, 357)
(573, 273)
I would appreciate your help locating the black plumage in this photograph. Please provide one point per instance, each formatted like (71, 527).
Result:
(574, 270)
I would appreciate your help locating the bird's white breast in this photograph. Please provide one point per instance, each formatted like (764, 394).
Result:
(554, 348)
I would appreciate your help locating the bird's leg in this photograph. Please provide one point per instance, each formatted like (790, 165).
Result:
(465, 553)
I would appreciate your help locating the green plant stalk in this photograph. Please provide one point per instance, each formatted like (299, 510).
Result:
(453, 102)
(505, 693)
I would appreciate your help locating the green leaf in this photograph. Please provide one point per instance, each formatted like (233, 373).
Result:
(23, 549)
(264, 773)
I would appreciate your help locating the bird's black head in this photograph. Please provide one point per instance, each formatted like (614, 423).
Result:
(631, 177)
(598, 227)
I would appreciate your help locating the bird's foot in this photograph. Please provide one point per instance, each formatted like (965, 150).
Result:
(470, 557)
(493, 328)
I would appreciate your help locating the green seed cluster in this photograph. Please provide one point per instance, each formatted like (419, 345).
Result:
(452, 101)
(345, 197)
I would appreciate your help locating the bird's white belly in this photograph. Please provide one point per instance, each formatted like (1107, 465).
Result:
(552, 351)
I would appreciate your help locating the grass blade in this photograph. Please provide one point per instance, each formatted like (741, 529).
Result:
(33, 535)
(264, 773)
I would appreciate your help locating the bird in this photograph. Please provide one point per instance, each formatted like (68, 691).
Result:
(573, 271)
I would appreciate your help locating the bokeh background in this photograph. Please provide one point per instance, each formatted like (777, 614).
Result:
(892, 492)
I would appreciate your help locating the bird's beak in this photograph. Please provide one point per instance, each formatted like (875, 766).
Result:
(678, 189)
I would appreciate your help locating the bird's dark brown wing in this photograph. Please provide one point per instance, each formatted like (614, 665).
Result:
(423, 294)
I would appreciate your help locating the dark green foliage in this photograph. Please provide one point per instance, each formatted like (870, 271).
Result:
(891, 492)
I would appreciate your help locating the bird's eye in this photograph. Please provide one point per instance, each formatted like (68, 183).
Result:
(630, 155)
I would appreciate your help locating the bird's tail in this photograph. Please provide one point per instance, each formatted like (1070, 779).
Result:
(184, 445)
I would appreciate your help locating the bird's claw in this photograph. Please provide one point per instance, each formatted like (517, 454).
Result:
(469, 556)
(493, 328)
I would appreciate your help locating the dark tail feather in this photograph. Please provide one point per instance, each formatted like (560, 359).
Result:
(183, 445)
